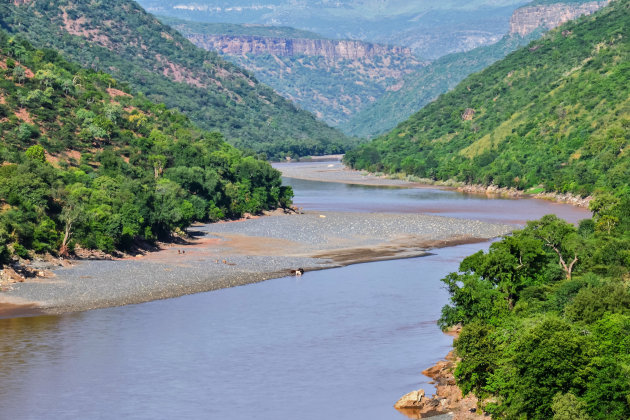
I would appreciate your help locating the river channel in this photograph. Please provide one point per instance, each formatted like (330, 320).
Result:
(343, 343)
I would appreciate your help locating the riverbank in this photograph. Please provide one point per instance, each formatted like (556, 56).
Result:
(336, 171)
(237, 253)
(448, 401)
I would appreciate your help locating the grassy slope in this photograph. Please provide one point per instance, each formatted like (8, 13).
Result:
(556, 113)
(156, 60)
(424, 85)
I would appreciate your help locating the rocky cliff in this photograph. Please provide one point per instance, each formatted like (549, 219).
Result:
(331, 78)
(283, 47)
(529, 18)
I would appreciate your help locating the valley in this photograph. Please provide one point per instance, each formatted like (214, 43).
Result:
(463, 169)
(366, 89)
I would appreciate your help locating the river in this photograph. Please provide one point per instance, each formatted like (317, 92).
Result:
(344, 343)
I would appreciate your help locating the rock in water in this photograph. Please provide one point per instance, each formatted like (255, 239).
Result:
(411, 400)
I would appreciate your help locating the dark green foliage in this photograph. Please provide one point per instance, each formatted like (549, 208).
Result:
(537, 343)
(554, 115)
(125, 41)
(106, 168)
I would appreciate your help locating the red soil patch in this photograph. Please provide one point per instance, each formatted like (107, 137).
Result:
(51, 159)
(23, 115)
(204, 248)
(115, 92)
(178, 72)
(28, 73)
(76, 27)
(73, 154)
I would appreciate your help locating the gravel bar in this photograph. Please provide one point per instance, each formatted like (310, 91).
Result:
(238, 253)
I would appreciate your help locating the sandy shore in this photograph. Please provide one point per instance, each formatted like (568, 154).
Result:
(238, 253)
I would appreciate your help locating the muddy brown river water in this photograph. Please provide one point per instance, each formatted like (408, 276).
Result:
(344, 343)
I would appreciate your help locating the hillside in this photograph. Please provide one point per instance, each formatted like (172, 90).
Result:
(154, 59)
(86, 161)
(421, 87)
(555, 114)
(332, 78)
(232, 29)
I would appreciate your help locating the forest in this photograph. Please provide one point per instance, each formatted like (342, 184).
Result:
(546, 318)
(87, 162)
(154, 59)
(552, 116)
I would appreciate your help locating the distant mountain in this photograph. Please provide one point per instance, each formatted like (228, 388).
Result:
(431, 29)
(419, 88)
(332, 78)
(154, 59)
(555, 114)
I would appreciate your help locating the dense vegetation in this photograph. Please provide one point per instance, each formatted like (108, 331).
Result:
(425, 85)
(554, 115)
(125, 41)
(546, 318)
(82, 161)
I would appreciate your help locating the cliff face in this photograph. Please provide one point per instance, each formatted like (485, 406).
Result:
(283, 47)
(332, 78)
(527, 19)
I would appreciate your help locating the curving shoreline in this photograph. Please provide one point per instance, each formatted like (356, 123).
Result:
(336, 171)
(239, 253)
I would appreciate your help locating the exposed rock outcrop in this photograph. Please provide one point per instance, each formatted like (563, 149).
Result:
(287, 47)
(414, 399)
(529, 18)
(447, 398)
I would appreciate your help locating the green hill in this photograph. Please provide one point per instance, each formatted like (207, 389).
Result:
(425, 84)
(84, 160)
(554, 114)
(122, 39)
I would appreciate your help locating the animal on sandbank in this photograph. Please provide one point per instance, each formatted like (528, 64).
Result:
(297, 272)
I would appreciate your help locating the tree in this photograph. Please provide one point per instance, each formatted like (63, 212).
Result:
(36, 153)
(19, 74)
(158, 162)
(561, 237)
(569, 407)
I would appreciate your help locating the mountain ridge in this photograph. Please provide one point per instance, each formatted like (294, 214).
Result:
(331, 78)
(135, 47)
